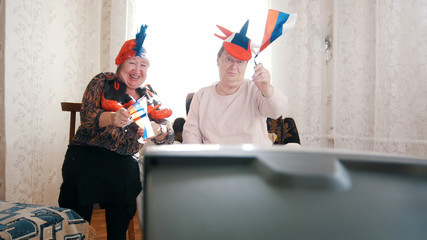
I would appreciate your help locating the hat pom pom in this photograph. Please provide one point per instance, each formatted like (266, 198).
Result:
(139, 40)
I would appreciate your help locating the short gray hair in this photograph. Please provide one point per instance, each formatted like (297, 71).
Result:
(220, 51)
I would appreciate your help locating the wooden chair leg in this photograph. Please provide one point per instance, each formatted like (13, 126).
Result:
(131, 229)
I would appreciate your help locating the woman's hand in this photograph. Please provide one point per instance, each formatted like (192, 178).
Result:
(140, 132)
(120, 118)
(160, 131)
(261, 78)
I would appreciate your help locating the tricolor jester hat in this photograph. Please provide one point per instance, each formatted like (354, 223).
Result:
(237, 44)
(133, 47)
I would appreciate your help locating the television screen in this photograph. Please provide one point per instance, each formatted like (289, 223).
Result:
(247, 192)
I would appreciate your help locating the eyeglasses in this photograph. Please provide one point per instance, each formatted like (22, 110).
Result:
(230, 60)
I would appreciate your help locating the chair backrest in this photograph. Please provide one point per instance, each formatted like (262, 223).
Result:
(72, 108)
(188, 101)
(285, 130)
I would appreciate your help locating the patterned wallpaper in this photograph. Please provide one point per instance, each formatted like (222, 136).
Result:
(54, 49)
(2, 118)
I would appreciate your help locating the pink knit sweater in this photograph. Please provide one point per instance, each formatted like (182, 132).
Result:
(239, 118)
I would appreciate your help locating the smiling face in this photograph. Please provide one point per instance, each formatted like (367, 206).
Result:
(231, 70)
(133, 72)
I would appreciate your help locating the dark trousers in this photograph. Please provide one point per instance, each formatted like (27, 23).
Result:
(117, 217)
(96, 175)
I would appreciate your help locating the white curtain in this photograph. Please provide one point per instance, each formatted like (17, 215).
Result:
(182, 46)
(302, 68)
(380, 76)
(366, 90)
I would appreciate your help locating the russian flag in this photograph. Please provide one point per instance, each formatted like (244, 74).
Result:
(277, 23)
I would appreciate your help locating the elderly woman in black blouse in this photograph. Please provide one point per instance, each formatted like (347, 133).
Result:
(100, 164)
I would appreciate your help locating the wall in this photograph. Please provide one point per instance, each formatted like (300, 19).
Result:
(49, 58)
(54, 48)
(2, 117)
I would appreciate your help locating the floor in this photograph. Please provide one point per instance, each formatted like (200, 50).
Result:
(98, 223)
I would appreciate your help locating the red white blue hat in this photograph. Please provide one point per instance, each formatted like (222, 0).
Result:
(133, 47)
(237, 44)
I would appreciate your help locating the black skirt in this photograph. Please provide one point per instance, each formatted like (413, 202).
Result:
(96, 175)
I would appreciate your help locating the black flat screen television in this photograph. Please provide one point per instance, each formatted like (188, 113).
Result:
(245, 192)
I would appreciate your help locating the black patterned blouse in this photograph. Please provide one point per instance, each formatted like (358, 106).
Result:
(123, 141)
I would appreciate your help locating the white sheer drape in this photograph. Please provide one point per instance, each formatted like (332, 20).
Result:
(118, 24)
(370, 93)
(380, 76)
(302, 68)
(182, 46)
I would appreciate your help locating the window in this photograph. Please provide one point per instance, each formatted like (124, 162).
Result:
(182, 47)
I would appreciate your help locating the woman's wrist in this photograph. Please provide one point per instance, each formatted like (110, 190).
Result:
(163, 135)
(268, 92)
(106, 119)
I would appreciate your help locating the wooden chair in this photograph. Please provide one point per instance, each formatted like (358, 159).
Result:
(73, 108)
(285, 129)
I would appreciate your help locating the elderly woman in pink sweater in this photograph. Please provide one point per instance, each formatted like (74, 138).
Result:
(234, 110)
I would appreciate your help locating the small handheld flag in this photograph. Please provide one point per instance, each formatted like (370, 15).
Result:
(139, 115)
(277, 23)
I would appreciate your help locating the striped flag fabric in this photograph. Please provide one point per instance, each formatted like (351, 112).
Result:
(277, 23)
(138, 112)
